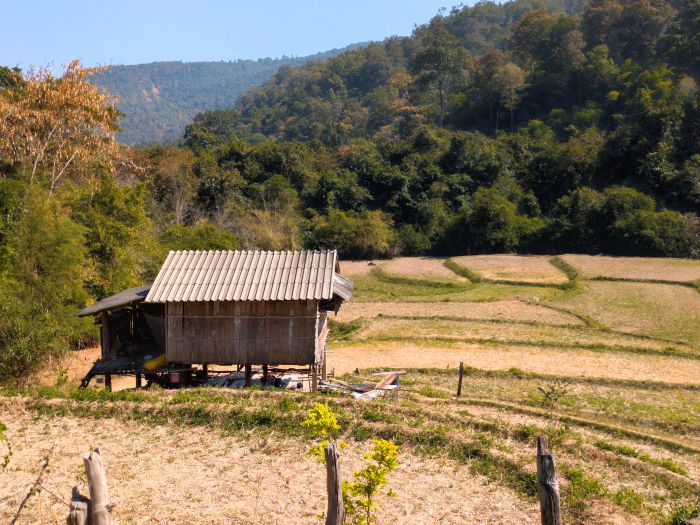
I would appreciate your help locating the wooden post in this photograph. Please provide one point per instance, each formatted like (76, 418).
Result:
(79, 509)
(248, 375)
(314, 378)
(108, 382)
(459, 384)
(101, 509)
(547, 484)
(264, 375)
(324, 366)
(335, 515)
(105, 343)
(205, 372)
(138, 380)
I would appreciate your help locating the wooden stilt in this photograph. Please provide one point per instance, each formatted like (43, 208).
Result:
(264, 375)
(248, 375)
(324, 366)
(138, 381)
(314, 378)
(108, 382)
(205, 371)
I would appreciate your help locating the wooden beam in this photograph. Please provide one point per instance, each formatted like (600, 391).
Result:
(104, 335)
(547, 484)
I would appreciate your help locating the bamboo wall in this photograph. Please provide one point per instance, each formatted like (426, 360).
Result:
(245, 332)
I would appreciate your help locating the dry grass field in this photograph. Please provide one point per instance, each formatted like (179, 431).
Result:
(529, 269)
(641, 268)
(624, 353)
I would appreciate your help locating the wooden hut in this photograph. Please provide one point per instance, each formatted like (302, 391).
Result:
(244, 307)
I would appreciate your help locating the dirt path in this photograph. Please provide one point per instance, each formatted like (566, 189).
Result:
(173, 475)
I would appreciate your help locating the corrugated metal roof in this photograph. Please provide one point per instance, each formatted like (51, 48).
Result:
(132, 295)
(247, 276)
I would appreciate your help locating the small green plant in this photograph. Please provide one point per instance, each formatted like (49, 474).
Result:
(628, 499)
(321, 424)
(553, 392)
(682, 513)
(61, 376)
(8, 454)
(360, 496)
(429, 391)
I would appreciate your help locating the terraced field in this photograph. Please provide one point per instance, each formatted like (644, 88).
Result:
(601, 354)
(623, 335)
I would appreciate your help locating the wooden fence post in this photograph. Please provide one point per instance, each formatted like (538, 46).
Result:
(547, 484)
(335, 515)
(79, 509)
(459, 384)
(101, 509)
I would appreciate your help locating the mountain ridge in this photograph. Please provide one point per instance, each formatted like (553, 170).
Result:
(158, 99)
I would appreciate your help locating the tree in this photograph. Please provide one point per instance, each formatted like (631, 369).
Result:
(171, 181)
(508, 80)
(50, 124)
(367, 234)
(492, 224)
(118, 234)
(199, 236)
(27, 337)
(440, 63)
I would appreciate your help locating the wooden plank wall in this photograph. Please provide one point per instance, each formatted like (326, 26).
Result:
(243, 332)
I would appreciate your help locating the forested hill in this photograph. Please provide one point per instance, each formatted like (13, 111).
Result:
(528, 125)
(159, 99)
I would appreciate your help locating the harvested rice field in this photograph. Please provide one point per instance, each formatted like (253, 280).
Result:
(641, 268)
(509, 309)
(420, 268)
(608, 370)
(527, 269)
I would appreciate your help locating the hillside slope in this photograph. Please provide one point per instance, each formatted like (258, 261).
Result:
(159, 99)
(523, 126)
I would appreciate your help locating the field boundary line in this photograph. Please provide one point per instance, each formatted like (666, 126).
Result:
(476, 277)
(581, 422)
(524, 322)
(593, 347)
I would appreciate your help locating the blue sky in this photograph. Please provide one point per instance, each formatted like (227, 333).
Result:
(41, 32)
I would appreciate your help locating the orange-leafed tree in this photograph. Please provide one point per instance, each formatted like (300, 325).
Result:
(58, 127)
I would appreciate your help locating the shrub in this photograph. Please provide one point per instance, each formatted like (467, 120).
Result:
(27, 337)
